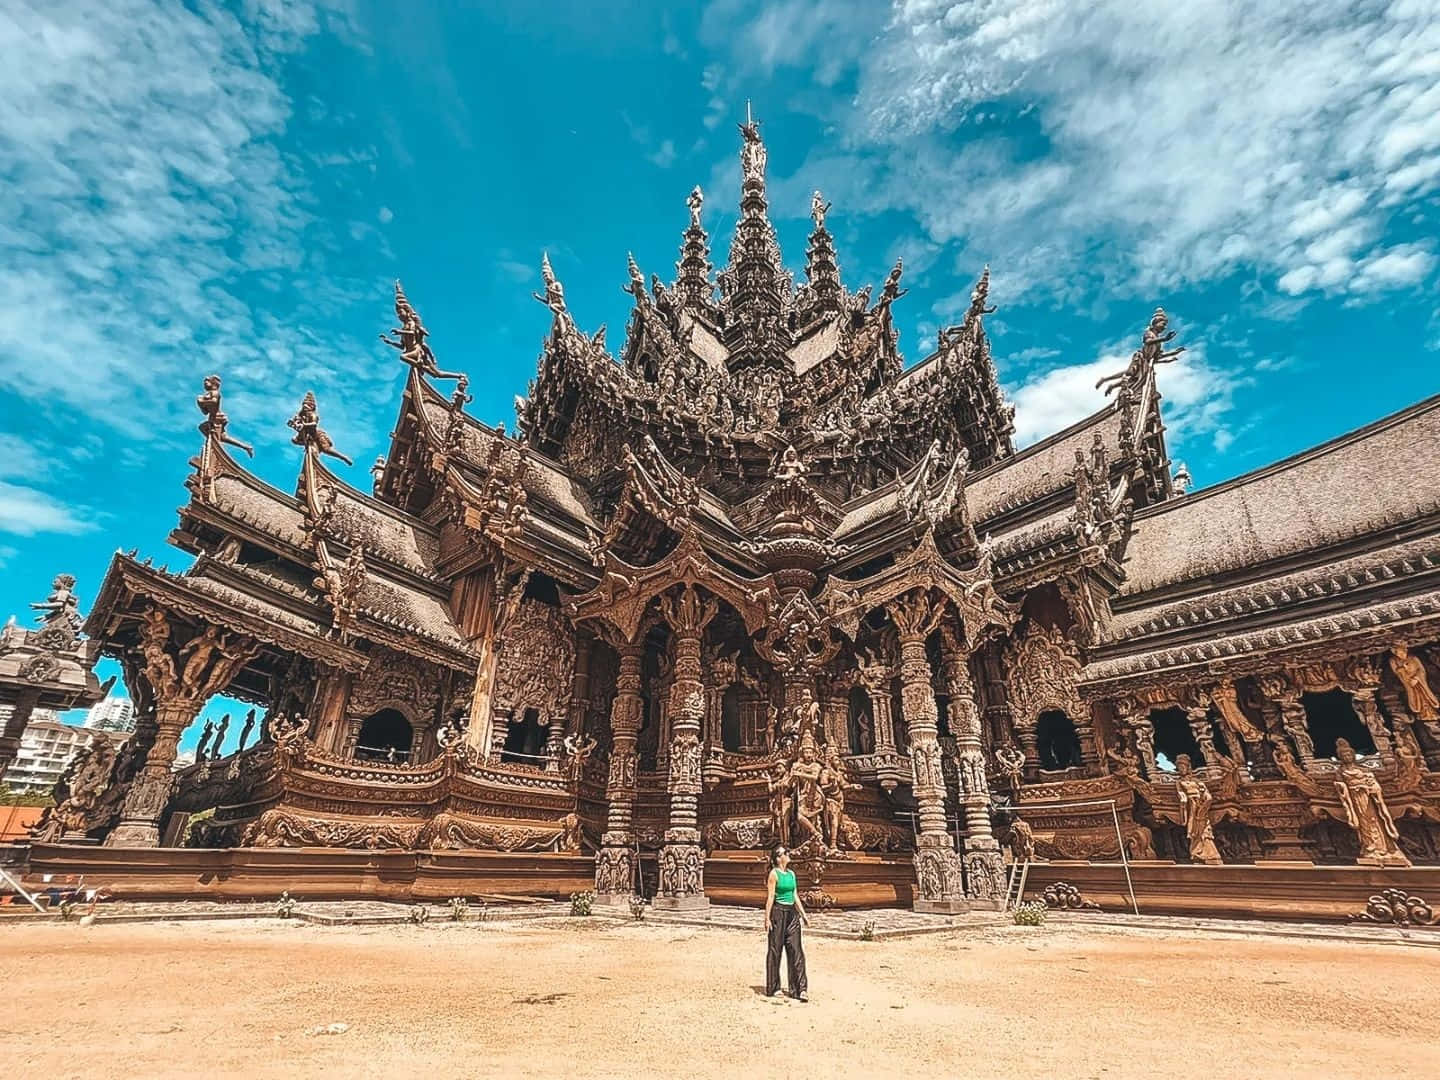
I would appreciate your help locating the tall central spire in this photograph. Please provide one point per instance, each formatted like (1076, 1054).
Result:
(754, 284)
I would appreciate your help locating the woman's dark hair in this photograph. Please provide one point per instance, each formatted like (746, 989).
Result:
(775, 853)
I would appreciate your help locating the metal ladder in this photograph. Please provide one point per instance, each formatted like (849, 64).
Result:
(1015, 888)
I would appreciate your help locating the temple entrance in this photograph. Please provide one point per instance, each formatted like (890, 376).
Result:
(1057, 743)
(525, 739)
(1331, 716)
(1173, 737)
(384, 736)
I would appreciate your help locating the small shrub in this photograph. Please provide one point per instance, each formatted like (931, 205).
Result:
(419, 914)
(69, 909)
(637, 908)
(867, 932)
(285, 906)
(582, 902)
(459, 908)
(1030, 913)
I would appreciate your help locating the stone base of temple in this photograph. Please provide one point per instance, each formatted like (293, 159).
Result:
(941, 907)
(615, 900)
(681, 903)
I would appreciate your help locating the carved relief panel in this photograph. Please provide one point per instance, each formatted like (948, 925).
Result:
(536, 662)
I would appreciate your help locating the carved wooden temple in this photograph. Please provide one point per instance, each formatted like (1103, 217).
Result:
(754, 581)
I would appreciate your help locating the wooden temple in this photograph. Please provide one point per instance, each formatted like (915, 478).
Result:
(754, 581)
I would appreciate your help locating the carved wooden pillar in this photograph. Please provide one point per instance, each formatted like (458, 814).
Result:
(579, 704)
(937, 866)
(1369, 712)
(1136, 719)
(615, 861)
(877, 687)
(1204, 732)
(500, 717)
(332, 695)
(682, 864)
(180, 682)
(983, 862)
(1090, 752)
(15, 726)
(1294, 721)
(835, 717)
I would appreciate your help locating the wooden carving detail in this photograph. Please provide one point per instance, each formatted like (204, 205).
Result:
(536, 661)
(1043, 672)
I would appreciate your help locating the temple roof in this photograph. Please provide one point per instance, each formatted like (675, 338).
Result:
(1368, 482)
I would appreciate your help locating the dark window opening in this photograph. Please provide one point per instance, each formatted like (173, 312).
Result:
(1331, 716)
(730, 719)
(1173, 737)
(860, 726)
(1056, 741)
(385, 736)
(524, 739)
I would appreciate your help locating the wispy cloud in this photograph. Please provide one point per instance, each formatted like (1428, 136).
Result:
(25, 511)
(156, 227)
(1078, 144)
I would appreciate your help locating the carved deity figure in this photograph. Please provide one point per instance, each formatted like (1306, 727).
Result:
(808, 799)
(216, 422)
(1011, 760)
(219, 737)
(891, 291)
(578, 749)
(1195, 809)
(1238, 727)
(777, 784)
(1365, 810)
(1410, 670)
(834, 782)
(1022, 841)
(245, 729)
(1127, 764)
(818, 209)
(205, 735)
(752, 153)
(196, 657)
(308, 432)
(790, 466)
(1152, 351)
(62, 607)
(978, 297)
(696, 202)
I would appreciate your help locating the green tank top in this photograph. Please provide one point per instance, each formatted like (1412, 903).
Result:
(785, 887)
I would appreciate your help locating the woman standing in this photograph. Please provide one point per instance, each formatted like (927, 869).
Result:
(783, 915)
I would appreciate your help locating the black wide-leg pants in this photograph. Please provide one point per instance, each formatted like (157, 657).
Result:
(785, 934)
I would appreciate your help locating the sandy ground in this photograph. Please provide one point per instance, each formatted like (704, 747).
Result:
(590, 998)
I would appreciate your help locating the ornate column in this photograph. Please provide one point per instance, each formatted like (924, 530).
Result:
(207, 663)
(1199, 717)
(876, 679)
(1131, 716)
(1292, 715)
(937, 866)
(615, 861)
(835, 716)
(499, 729)
(682, 864)
(1369, 712)
(983, 862)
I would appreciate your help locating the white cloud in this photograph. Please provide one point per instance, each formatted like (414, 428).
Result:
(665, 155)
(1198, 397)
(151, 203)
(1178, 142)
(385, 215)
(26, 511)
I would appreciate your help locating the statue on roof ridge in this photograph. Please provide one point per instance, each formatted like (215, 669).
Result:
(1152, 351)
(554, 297)
(978, 296)
(409, 338)
(216, 422)
(818, 209)
(696, 202)
(636, 288)
(62, 607)
(891, 291)
(752, 151)
(309, 433)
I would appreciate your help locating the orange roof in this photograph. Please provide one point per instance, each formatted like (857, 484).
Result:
(15, 822)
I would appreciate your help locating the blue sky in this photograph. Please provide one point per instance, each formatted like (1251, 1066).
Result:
(231, 188)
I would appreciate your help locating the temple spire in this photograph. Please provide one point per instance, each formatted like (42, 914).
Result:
(692, 282)
(822, 270)
(754, 283)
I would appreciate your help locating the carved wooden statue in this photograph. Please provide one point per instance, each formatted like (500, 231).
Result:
(1195, 809)
(1410, 670)
(1365, 810)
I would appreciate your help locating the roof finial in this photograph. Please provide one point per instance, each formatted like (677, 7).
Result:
(554, 297)
(309, 433)
(215, 422)
(409, 338)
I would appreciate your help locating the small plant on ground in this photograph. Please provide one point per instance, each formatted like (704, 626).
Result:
(419, 914)
(1030, 913)
(69, 909)
(637, 907)
(867, 932)
(582, 902)
(285, 906)
(459, 908)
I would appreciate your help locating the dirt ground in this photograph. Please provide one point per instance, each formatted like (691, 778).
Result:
(596, 997)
